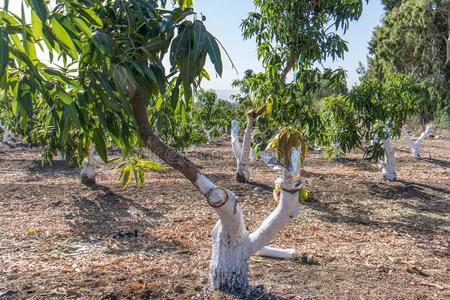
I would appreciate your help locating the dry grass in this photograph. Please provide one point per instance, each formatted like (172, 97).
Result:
(374, 239)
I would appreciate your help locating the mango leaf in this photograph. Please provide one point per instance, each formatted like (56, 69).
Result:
(37, 25)
(214, 53)
(4, 49)
(150, 165)
(63, 36)
(63, 96)
(40, 8)
(199, 39)
(100, 144)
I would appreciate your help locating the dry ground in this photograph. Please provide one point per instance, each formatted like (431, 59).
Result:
(374, 239)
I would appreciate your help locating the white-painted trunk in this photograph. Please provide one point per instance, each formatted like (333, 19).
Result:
(231, 244)
(6, 135)
(388, 165)
(208, 135)
(252, 155)
(243, 171)
(288, 208)
(88, 168)
(415, 146)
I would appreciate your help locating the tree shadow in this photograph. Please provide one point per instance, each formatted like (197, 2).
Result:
(426, 202)
(118, 220)
(437, 162)
(54, 169)
(260, 185)
(360, 164)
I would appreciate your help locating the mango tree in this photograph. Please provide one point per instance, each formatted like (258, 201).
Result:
(381, 108)
(293, 38)
(110, 74)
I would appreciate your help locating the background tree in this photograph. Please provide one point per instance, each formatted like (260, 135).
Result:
(297, 36)
(412, 40)
(380, 110)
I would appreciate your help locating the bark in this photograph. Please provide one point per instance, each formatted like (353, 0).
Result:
(157, 146)
(88, 168)
(415, 146)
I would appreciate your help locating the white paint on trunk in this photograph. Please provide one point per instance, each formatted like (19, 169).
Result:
(278, 252)
(232, 245)
(415, 146)
(388, 165)
(235, 144)
(288, 207)
(208, 135)
(252, 155)
(88, 166)
(7, 136)
(243, 170)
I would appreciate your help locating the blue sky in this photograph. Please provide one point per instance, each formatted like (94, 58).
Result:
(224, 17)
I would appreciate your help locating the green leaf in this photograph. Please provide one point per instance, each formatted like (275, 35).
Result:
(89, 14)
(40, 8)
(102, 42)
(37, 25)
(214, 53)
(150, 165)
(24, 96)
(63, 36)
(63, 96)
(199, 39)
(83, 26)
(100, 144)
(4, 49)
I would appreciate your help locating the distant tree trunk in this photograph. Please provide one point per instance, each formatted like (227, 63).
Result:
(88, 168)
(6, 135)
(232, 245)
(388, 165)
(415, 146)
(243, 171)
(208, 135)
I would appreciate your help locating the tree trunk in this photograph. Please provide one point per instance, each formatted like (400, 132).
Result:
(6, 135)
(88, 168)
(243, 171)
(208, 135)
(415, 146)
(388, 165)
(231, 244)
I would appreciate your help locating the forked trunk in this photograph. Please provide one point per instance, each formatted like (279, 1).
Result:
(88, 168)
(415, 146)
(231, 244)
